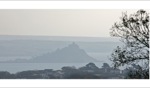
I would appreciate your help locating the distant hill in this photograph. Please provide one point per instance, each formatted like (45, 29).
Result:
(70, 54)
(27, 47)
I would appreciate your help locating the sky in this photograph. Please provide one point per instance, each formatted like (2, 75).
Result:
(56, 22)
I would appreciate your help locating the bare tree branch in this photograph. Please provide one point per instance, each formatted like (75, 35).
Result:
(134, 33)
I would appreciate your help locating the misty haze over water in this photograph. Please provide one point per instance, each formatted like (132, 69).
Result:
(14, 48)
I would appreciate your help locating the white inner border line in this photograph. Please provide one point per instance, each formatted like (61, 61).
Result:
(75, 83)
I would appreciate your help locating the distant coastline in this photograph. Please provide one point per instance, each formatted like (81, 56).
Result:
(59, 38)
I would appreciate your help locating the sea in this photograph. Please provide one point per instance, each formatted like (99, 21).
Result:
(27, 47)
(18, 67)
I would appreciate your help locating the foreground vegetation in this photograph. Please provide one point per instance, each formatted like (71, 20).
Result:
(90, 71)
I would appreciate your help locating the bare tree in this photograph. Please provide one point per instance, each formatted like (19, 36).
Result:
(134, 33)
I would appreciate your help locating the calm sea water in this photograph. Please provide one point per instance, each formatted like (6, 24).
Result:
(26, 47)
(17, 67)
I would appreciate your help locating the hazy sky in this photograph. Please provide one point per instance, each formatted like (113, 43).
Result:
(91, 23)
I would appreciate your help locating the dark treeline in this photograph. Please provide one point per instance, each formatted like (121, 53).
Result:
(90, 71)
